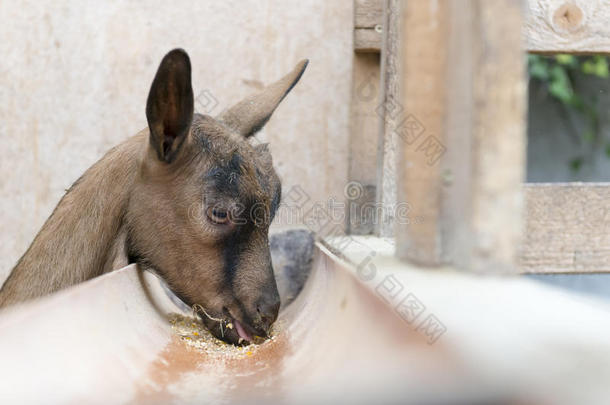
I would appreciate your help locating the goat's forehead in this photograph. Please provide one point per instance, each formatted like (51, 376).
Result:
(232, 166)
(238, 175)
(212, 136)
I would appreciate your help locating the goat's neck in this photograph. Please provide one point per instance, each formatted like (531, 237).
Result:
(85, 236)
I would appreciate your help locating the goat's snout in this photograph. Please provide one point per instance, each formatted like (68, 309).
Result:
(267, 310)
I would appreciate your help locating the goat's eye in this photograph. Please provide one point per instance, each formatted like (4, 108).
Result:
(218, 215)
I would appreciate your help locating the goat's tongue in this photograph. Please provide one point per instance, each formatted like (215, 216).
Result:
(241, 331)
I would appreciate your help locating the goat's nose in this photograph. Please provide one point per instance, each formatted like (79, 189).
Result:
(268, 310)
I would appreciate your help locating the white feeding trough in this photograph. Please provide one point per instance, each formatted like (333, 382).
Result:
(120, 339)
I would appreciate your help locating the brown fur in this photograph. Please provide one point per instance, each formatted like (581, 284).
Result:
(148, 200)
(77, 241)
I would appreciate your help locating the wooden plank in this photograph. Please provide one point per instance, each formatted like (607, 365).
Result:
(575, 26)
(368, 13)
(551, 26)
(461, 174)
(363, 143)
(367, 40)
(390, 113)
(425, 48)
(567, 228)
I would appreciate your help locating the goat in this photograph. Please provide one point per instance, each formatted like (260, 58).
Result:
(189, 197)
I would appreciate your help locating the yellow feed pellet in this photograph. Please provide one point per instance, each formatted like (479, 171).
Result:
(194, 334)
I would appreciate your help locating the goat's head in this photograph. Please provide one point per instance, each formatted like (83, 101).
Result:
(200, 211)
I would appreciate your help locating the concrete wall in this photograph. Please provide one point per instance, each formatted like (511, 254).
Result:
(74, 76)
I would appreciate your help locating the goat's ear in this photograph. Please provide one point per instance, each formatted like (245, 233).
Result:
(249, 115)
(169, 108)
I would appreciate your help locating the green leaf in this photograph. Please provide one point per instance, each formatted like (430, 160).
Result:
(576, 164)
(532, 58)
(596, 66)
(578, 104)
(588, 67)
(539, 71)
(565, 59)
(561, 86)
(538, 68)
(601, 69)
(608, 150)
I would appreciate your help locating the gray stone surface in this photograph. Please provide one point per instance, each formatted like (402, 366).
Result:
(292, 256)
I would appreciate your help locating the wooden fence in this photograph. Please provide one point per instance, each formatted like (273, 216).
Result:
(447, 124)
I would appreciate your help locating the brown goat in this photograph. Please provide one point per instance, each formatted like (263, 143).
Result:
(188, 197)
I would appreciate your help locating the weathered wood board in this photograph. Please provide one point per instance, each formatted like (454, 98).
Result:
(462, 172)
(575, 26)
(367, 13)
(551, 26)
(567, 228)
(368, 20)
(367, 40)
(364, 121)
